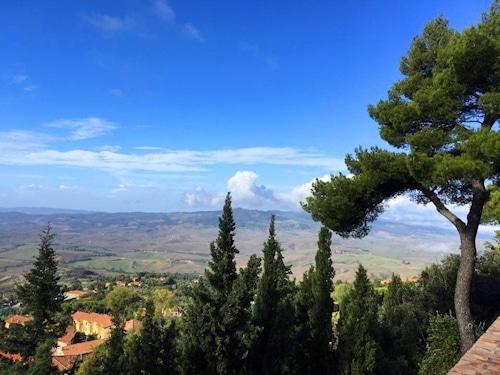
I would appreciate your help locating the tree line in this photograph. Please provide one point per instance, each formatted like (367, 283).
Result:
(258, 320)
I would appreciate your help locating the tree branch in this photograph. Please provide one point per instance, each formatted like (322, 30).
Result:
(442, 209)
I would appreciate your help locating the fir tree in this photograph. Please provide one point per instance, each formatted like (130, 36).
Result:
(42, 297)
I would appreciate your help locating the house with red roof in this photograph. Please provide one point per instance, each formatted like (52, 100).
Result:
(18, 320)
(93, 324)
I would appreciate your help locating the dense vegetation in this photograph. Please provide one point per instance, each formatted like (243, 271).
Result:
(443, 117)
(257, 320)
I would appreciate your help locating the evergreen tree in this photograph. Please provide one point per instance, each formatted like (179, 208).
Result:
(442, 116)
(314, 306)
(303, 301)
(42, 297)
(321, 307)
(152, 351)
(358, 328)
(443, 346)
(403, 324)
(273, 311)
(217, 333)
(42, 362)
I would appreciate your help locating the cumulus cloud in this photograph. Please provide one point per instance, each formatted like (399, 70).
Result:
(202, 198)
(299, 193)
(246, 193)
(86, 128)
(192, 32)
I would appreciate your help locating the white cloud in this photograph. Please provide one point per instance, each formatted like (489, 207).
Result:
(401, 209)
(256, 52)
(201, 198)
(32, 187)
(18, 78)
(299, 193)
(192, 32)
(163, 10)
(19, 140)
(89, 127)
(109, 148)
(69, 188)
(30, 88)
(117, 92)
(119, 190)
(110, 23)
(148, 148)
(247, 194)
(31, 148)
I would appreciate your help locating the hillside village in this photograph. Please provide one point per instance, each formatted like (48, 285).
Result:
(86, 331)
(441, 120)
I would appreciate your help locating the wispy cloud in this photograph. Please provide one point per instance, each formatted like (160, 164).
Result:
(109, 148)
(256, 52)
(81, 129)
(148, 148)
(117, 92)
(111, 24)
(30, 88)
(163, 10)
(21, 148)
(22, 141)
(17, 78)
(191, 32)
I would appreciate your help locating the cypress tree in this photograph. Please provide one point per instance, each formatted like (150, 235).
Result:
(217, 333)
(314, 306)
(274, 311)
(358, 328)
(321, 308)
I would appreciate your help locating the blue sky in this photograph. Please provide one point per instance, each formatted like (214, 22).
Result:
(163, 106)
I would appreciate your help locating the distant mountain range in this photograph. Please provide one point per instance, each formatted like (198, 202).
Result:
(179, 241)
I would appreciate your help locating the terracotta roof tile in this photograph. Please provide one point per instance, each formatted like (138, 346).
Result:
(104, 320)
(64, 363)
(12, 356)
(18, 320)
(81, 348)
(68, 336)
(484, 356)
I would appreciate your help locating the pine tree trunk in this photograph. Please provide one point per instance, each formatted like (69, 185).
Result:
(463, 289)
